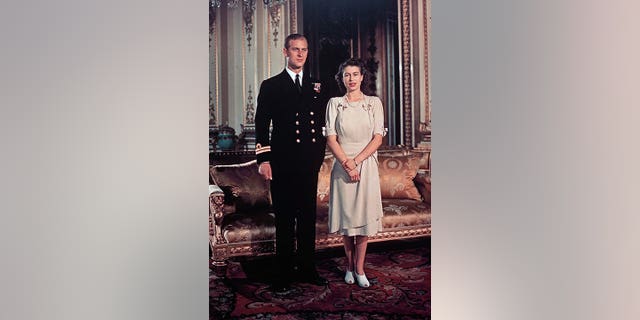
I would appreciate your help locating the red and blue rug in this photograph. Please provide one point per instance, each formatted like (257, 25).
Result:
(399, 272)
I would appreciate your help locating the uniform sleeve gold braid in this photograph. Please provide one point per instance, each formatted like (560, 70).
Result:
(260, 149)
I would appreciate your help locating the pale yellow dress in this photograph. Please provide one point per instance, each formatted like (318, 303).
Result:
(355, 208)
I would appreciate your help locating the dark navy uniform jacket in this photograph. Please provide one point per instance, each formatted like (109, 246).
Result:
(297, 143)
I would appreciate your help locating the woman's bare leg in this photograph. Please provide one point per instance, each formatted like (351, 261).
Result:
(361, 251)
(349, 251)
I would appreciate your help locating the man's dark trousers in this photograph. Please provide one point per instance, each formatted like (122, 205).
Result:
(294, 194)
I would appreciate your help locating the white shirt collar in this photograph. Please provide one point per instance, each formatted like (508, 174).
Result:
(293, 75)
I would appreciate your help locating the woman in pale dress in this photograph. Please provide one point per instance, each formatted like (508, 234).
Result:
(354, 129)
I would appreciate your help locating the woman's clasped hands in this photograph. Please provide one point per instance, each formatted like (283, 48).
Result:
(351, 167)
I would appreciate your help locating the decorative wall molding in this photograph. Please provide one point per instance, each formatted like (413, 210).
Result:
(271, 3)
(213, 64)
(426, 29)
(249, 33)
(248, 10)
(371, 63)
(421, 65)
(250, 109)
(233, 4)
(268, 41)
(275, 13)
(293, 16)
(244, 46)
(406, 73)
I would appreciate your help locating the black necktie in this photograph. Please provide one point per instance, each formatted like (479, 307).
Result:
(298, 86)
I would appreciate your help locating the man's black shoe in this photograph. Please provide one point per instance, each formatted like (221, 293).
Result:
(315, 279)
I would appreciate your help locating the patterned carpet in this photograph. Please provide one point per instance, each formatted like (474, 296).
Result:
(399, 272)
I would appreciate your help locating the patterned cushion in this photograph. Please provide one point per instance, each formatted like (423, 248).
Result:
(397, 213)
(396, 176)
(423, 182)
(423, 153)
(324, 179)
(243, 184)
(425, 158)
(400, 213)
(253, 226)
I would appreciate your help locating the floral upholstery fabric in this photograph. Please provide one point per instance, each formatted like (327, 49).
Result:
(424, 159)
(405, 213)
(397, 171)
(424, 155)
(396, 176)
(243, 186)
(249, 218)
(260, 225)
(423, 183)
(255, 226)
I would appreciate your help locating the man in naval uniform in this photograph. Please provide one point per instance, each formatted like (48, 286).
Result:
(291, 158)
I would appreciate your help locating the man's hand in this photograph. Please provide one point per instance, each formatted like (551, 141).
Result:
(265, 171)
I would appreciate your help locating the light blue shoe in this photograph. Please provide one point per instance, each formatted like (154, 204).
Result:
(348, 278)
(363, 282)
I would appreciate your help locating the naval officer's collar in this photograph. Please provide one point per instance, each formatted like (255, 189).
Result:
(292, 75)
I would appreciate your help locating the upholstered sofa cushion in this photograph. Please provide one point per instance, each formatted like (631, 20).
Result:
(259, 225)
(424, 155)
(397, 171)
(424, 163)
(243, 184)
(396, 213)
(396, 176)
(423, 183)
(405, 213)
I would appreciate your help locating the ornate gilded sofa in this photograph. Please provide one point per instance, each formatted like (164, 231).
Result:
(241, 220)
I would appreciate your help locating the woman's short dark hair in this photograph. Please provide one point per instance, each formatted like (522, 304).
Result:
(354, 62)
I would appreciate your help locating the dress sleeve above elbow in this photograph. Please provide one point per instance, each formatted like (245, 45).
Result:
(330, 118)
(378, 116)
